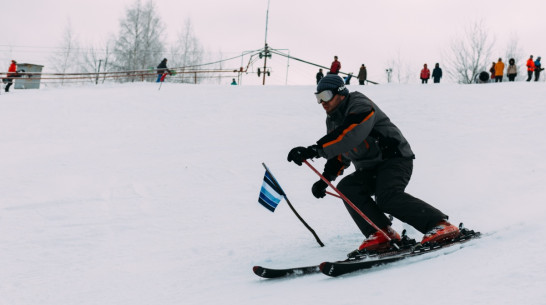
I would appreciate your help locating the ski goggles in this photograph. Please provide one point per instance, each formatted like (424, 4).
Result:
(324, 96)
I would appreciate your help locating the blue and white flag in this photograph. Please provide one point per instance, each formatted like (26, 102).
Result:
(271, 193)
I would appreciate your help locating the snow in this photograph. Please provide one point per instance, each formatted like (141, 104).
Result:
(126, 194)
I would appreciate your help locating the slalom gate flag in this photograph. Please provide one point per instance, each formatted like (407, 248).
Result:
(271, 193)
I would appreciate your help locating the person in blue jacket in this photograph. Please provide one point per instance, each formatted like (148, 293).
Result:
(538, 68)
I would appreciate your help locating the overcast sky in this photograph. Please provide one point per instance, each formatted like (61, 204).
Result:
(358, 31)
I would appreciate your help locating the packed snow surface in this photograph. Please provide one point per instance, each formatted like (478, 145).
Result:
(126, 194)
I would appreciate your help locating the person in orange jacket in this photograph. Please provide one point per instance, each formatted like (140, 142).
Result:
(530, 68)
(499, 71)
(425, 74)
(12, 72)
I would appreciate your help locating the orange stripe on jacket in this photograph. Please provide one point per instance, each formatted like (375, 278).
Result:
(351, 127)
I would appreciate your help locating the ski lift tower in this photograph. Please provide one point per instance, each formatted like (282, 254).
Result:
(265, 54)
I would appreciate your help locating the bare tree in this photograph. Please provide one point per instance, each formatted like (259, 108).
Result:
(139, 43)
(470, 54)
(400, 71)
(187, 50)
(95, 59)
(66, 58)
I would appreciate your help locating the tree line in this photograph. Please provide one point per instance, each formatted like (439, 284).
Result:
(138, 45)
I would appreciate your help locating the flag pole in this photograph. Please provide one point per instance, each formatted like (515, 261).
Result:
(347, 200)
(292, 207)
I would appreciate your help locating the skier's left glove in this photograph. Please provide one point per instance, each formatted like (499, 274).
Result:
(319, 189)
(299, 154)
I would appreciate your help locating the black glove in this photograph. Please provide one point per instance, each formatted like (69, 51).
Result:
(319, 189)
(298, 154)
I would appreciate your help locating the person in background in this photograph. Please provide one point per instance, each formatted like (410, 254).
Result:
(359, 132)
(319, 75)
(362, 75)
(162, 69)
(12, 72)
(512, 70)
(530, 68)
(335, 67)
(538, 68)
(348, 78)
(437, 73)
(425, 74)
(492, 71)
(499, 71)
(233, 82)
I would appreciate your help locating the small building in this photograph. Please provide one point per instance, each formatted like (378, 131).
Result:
(28, 80)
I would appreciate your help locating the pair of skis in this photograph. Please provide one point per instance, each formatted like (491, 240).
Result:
(361, 261)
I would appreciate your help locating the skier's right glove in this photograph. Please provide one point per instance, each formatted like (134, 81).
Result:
(299, 154)
(319, 189)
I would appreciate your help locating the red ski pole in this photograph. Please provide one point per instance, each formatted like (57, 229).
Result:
(347, 200)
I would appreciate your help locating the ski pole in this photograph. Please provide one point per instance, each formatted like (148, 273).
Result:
(332, 194)
(369, 221)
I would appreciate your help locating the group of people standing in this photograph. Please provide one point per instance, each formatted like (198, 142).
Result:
(497, 70)
(336, 66)
(533, 67)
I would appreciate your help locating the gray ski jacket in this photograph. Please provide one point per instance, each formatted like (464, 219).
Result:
(360, 132)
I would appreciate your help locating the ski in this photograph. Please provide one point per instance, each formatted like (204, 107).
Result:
(405, 245)
(366, 262)
(270, 273)
(362, 260)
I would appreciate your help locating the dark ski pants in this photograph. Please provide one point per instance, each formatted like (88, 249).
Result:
(9, 83)
(388, 182)
(530, 74)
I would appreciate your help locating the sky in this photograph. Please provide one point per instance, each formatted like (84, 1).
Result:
(123, 194)
(374, 33)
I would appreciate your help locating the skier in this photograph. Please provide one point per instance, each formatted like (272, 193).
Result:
(361, 133)
(161, 70)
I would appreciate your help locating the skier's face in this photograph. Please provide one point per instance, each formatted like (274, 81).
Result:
(333, 103)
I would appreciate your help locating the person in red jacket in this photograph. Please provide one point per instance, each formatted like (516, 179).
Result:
(12, 72)
(425, 74)
(335, 67)
(530, 68)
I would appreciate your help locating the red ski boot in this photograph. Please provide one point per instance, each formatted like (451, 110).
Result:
(378, 241)
(442, 231)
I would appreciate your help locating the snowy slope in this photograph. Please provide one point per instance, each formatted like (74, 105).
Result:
(124, 194)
